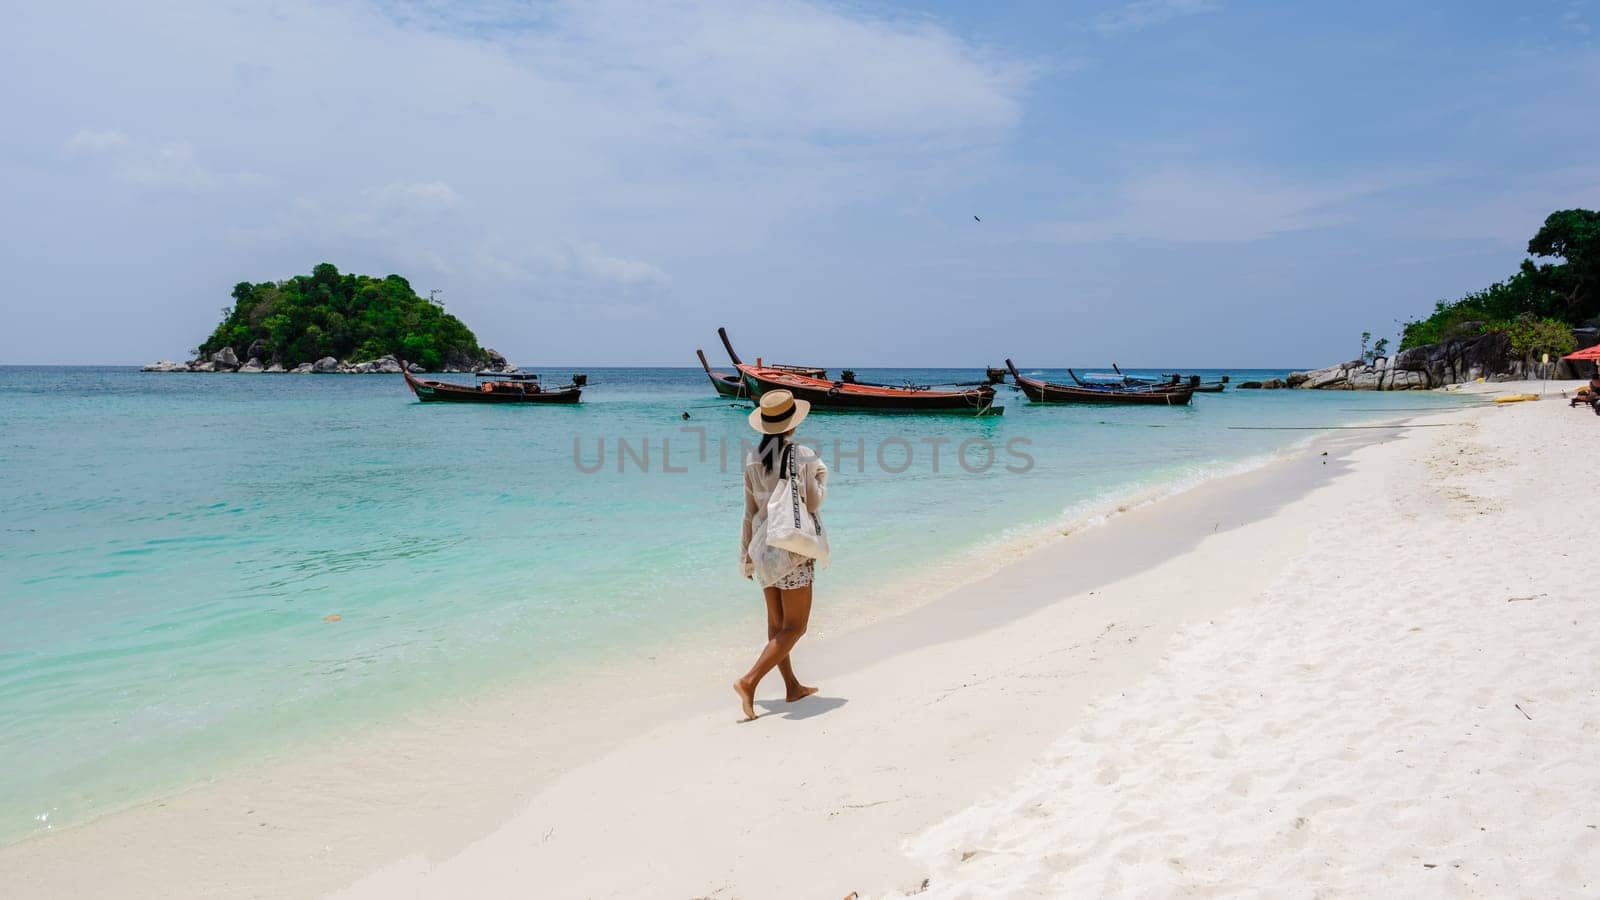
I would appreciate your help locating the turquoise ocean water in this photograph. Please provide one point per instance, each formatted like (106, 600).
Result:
(171, 544)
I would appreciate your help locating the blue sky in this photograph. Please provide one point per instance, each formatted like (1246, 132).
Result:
(1161, 182)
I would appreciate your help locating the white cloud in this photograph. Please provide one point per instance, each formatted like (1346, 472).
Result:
(762, 70)
(591, 260)
(87, 141)
(401, 208)
(1575, 19)
(1139, 14)
(151, 164)
(573, 145)
(584, 261)
(1199, 205)
(422, 197)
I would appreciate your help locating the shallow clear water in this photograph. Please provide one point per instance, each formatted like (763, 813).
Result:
(170, 544)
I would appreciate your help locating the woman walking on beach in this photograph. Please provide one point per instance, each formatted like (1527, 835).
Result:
(784, 575)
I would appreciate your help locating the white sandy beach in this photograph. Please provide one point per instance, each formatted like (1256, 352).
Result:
(1370, 671)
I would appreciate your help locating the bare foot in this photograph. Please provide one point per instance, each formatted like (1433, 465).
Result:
(747, 699)
(800, 692)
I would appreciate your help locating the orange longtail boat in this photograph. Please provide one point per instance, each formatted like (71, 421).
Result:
(848, 395)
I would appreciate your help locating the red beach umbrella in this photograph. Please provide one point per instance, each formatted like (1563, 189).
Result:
(1585, 353)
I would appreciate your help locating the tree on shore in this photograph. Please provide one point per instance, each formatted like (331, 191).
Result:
(1541, 299)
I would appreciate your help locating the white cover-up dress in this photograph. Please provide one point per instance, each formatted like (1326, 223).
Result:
(775, 566)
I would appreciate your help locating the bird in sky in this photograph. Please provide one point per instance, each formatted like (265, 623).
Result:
(976, 219)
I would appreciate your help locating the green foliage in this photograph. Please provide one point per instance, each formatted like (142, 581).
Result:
(1567, 292)
(1532, 336)
(1371, 352)
(349, 317)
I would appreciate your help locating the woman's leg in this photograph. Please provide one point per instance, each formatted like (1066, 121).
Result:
(792, 687)
(796, 609)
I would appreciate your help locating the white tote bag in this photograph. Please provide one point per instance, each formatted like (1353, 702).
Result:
(790, 524)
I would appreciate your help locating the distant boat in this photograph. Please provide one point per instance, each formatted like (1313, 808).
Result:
(727, 385)
(1039, 391)
(1200, 387)
(1128, 383)
(513, 387)
(849, 395)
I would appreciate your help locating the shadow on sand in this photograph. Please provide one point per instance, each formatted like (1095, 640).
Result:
(811, 706)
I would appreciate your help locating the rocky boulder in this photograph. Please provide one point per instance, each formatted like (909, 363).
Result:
(325, 366)
(166, 365)
(1365, 378)
(252, 367)
(1486, 356)
(203, 367)
(225, 359)
(1464, 359)
(455, 361)
(303, 369)
(1355, 375)
(1321, 379)
(258, 349)
(1413, 360)
(415, 369)
(386, 365)
(275, 369)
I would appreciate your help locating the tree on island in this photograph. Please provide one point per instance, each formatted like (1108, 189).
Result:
(1539, 305)
(348, 317)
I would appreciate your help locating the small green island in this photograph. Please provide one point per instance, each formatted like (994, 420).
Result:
(332, 322)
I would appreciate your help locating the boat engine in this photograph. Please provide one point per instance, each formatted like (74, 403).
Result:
(580, 380)
(848, 376)
(994, 375)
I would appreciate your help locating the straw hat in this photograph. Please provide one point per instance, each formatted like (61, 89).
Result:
(778, 412)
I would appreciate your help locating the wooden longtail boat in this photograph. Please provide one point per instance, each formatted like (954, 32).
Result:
(1040, 391)
(510, 388)
(848, 395)
(727, 385)
(1128, 383)
(1135, 382)
(1200, 387)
